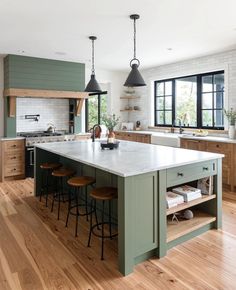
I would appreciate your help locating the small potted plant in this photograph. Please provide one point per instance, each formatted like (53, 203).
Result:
(231, 116)
(110, 121)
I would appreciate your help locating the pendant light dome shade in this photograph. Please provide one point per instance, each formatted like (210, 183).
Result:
(134, 78)
(93, 86)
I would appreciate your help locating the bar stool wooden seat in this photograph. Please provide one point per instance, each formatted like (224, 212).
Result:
(102, 194)
(60, 174)
(47, 169)
(78, 183)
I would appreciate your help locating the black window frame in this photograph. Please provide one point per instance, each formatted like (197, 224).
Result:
(198, 105)
(99, 109)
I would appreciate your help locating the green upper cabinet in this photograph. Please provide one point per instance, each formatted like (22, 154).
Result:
(39, 73)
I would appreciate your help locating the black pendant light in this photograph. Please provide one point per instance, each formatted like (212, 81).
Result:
(134, 78)
(93, 85)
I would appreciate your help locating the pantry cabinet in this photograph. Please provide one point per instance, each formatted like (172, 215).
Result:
(229, 160)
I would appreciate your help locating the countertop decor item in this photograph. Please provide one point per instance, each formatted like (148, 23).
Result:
(134, 78)
(111, 146)
(93, 85)
(231, 116)
(110, 121)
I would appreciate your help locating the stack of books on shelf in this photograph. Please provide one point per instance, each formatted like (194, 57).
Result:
(188, 192)
(173, 199)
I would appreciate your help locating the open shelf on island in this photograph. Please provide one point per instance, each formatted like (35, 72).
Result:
(176, 230)
(185, 205)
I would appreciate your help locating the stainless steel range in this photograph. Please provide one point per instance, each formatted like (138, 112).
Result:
(32, 138)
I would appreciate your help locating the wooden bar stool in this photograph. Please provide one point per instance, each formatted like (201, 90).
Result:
(102, 194)
(47, 169)
(78, 183)
(60, 174)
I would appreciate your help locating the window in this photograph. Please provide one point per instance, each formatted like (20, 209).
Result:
(95, 107)
(196, 101)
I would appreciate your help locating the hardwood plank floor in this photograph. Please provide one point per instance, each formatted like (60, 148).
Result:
(38, 252)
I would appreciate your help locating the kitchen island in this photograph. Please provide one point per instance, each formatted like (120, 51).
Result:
(143, 173)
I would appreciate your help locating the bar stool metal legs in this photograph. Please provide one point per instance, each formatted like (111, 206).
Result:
(103, 194)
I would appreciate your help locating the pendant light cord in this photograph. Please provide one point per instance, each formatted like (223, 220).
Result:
(93, 69)
(134, 38)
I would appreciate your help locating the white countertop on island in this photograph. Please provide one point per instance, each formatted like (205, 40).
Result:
(131, 158)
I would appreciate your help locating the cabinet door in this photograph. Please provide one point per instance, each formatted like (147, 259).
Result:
(227, 162)
(193, 144)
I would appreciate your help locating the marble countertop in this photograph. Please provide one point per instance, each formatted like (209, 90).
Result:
(209, 138)
(11, 138)
(183, 135)
(131, 158)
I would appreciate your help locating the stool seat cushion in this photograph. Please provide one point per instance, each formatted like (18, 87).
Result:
(50, 165)
(63, 172)
(81, 180)
(104, 193)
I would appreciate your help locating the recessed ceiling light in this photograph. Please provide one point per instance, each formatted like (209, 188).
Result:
(60, 53)
(169, 48)
(20, 51)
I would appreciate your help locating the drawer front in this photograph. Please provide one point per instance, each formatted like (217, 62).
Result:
(182, 174)
(218, 147)
(13, 145)
(14, 169)
(14, 157)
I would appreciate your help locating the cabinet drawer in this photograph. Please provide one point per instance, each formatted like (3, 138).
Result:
(13, 145)
(14, 157)
(14, 169)
(219, 147)
(182, 174)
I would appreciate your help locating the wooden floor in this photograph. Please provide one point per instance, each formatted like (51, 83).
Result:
(38, 252)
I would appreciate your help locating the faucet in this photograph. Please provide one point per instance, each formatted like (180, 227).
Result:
(94, 133)
(181, 130)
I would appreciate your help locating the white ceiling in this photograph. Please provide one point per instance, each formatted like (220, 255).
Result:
(58, 29)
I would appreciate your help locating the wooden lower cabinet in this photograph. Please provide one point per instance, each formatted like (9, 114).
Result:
(228, 162)
(12, 159)
(135, 137)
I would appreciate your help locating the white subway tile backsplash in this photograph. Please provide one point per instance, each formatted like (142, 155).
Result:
(55, 111)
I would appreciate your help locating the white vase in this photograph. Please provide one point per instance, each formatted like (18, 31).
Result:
(231, 131)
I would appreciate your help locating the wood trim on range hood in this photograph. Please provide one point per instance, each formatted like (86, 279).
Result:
(12, 93)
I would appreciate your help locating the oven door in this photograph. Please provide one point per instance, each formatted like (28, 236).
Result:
(29, 161)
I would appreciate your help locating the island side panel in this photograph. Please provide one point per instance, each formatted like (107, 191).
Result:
(41, 156)
(137, 219)
(162, 225)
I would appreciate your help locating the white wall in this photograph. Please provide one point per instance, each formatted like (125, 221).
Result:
(55, 111)
(1, 98)
(221, 61)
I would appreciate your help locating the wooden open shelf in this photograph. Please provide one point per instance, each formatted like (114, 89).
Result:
(129, 98)
(185, 205)
(183, 227)
(130, 110)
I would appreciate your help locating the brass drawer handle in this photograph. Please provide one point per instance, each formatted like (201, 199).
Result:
(205, 168)
(13, 146)
(217, 145)
(180, 174)
(14, 157)
(14, 169)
